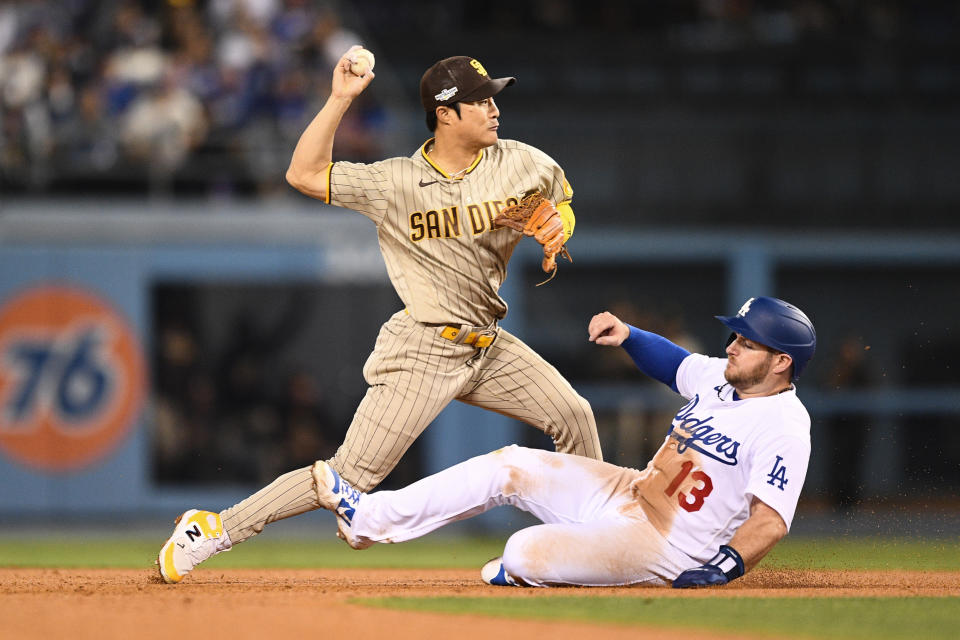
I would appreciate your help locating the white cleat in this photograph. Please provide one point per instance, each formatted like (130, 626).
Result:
(335, 494)
(493, 573)
(198, 535)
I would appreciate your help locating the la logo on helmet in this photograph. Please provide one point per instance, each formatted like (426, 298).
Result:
(745, 308)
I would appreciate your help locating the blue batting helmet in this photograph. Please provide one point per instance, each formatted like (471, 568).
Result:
(778, 325)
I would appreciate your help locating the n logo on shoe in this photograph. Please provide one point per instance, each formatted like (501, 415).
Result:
(72, 377)
(195, 533)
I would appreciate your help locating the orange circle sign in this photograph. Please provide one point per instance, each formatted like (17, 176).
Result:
(71, 378)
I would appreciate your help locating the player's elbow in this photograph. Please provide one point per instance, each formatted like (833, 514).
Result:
(302, 183)
(775, 528)
(778, 530)
(768, 520)
(295, 179)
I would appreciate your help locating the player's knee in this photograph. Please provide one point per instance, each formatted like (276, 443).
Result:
(575, 412)
(511, 456)
(520, 557)
(511, 473)
(584, 409)
(503, 460)
(573, 419)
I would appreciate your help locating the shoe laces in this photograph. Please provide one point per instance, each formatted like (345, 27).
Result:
(348, 493)
(202, 551)
(207, 548)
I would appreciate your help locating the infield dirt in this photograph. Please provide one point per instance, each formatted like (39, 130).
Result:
(238, 603)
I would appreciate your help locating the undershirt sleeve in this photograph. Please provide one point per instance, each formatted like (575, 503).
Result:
(655, 355)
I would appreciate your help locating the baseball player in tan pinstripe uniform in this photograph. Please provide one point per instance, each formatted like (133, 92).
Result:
(434, 215)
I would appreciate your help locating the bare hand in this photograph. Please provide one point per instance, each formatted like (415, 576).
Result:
(607, 329)
(345, 83)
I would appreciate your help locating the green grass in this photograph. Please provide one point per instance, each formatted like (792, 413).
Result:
(256, 554)
(840, 618)
(808, 553)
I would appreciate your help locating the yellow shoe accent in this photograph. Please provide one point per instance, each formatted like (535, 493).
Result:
(197, 536)
(168, 571)
(202, 520)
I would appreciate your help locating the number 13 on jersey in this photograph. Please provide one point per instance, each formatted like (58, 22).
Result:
(698, 492)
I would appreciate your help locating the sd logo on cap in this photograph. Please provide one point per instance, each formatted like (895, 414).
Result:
(458, 79)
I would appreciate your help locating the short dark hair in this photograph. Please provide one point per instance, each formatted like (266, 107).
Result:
(432, 115)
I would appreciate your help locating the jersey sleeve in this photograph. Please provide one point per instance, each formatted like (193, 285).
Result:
(553, 182)
(697, 371)
(777, 471)
(555, 186)
(360, 187)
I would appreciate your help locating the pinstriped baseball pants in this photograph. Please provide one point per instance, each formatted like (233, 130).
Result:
(413, 374)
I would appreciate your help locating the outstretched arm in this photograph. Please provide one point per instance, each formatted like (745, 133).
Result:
(653, 354)
(308, 171)
(752, 541)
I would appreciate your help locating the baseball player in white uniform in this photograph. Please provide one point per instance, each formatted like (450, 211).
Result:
(717, 496)
(434, 213)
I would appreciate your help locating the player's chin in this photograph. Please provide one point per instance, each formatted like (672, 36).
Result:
(730, 373)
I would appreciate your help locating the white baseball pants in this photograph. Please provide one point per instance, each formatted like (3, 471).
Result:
(595, 533)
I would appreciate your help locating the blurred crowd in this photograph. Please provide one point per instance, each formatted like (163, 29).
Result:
(698, 24)
(178, 96)
(98, 94)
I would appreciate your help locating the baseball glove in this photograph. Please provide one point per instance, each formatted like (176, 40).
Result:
(536, 216)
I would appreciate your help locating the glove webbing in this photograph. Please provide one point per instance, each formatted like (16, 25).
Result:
(523, 217)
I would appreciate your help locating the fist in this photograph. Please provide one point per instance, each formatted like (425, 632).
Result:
(347, 82)
(607, 329)
(361, 62)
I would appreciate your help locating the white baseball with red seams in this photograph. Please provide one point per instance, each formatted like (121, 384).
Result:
(610, 525)
(361, 61)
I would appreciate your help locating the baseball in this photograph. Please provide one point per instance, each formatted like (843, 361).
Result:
(362, 61)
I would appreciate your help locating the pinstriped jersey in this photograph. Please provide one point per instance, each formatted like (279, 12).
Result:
(443, 256)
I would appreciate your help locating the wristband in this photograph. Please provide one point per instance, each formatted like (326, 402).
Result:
(728, 560)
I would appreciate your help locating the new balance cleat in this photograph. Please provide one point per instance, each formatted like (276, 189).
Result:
(493, 573)
(198, 535)
(335, 494)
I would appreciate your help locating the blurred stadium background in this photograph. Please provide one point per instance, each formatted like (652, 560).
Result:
(178, 326)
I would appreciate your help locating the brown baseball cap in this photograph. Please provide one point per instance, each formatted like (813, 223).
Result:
(458, 79)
